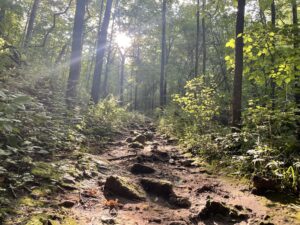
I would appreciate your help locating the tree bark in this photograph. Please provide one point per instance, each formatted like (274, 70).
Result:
(197, 39)
(76, 52)
(204, 38)
(31, 21)
(272, 82)
(100, 51)
(163, 55)
(297, 83)
(109, 55)
(122, 74)
(238, 75)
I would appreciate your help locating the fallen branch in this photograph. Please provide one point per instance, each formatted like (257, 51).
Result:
(122, 157)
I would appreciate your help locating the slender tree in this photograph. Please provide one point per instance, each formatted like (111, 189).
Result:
(204, 38)
(297, 83)
(100, 52)
(163, 55)
(109, 59)
(238, 74)
(197, 39)
(76, 52)
(273, 21)
(31, 21)
(122, 76)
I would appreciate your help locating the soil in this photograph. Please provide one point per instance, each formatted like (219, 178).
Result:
(194, 182)
(212, 198)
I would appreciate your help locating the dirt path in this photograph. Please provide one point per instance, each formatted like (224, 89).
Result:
(219, 200)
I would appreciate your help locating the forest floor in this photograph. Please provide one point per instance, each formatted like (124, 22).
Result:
(154, 182)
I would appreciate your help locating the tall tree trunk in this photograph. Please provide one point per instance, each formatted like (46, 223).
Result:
(122, 74)
(273, 21)
(163, 55)
(92, 47)
(137, 76)
(100, 51)
(297, 84)
(109, 54)
(204, 38)
(197, 39)
(76, 52)
(238, 75)
(31, 21)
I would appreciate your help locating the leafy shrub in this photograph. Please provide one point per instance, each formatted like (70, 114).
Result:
(107, 117)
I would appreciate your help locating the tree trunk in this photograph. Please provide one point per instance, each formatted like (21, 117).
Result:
(31, 21)
(197, 39)
(76, 52)
(297, 83)
(204, 38)
(122, 74)
(100, 51)
(238, 75)
(273, 21)
(163, 55)
(109, 55)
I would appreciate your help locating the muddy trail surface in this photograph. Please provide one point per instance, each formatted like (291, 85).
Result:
(150, 181)
(145, 178)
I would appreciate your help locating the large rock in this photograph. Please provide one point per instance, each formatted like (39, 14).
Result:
(158, 187)
(129, 140)
(122, 187)
(141, 169)
(149, 135)
(140, 139)
(179, 202)
(218, 210)
(164, 189)
(262, 185)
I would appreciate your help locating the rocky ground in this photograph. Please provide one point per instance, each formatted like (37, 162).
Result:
(144, 178)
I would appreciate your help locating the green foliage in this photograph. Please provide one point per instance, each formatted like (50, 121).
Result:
(107, 117)
(10, 105)
(199, 101)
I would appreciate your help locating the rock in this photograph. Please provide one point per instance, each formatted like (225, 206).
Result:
(179, 202)
(122, 187)
(164, 189)
(172, 141)
(149, 135)
(177, 223)
(262, 185)
(266, 223)
(140, 138)
(136, 145)
(141, 169)
(158, 187)
(187, 162)
(206, 188)
(213, 208)
(172, 161)
(239, 207)
(155, 220)
(152, 128)
(108, 220)
(129, 140)
(163, 155)
(67, 204)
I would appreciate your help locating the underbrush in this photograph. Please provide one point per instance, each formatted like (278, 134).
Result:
(265, 146)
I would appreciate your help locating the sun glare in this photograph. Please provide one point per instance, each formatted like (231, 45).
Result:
(123, 41)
